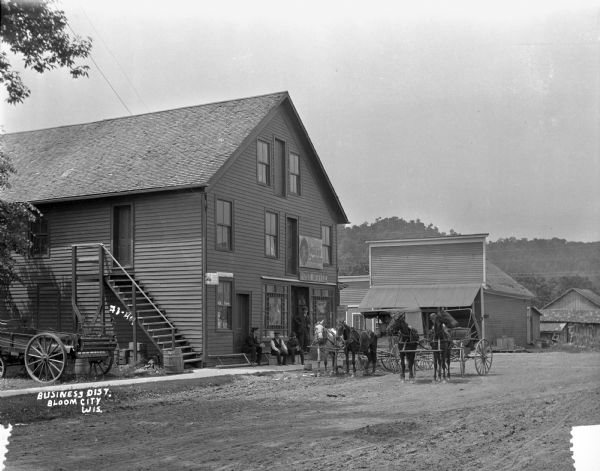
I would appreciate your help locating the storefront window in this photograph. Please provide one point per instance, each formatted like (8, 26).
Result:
(224, 305)
(276, 308)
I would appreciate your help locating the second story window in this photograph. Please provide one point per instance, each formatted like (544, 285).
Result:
(271, 234)
(294, 174)
(224, 225)
(326, 240)
(39, 236)
(263, 162)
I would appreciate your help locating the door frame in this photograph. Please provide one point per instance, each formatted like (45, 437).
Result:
(113, 235)
(245, 329)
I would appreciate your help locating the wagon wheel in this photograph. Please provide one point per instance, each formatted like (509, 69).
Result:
(390, 363)
(423, 361)
(102, 365)
(483, 357)
(2, 368)
(45, 358)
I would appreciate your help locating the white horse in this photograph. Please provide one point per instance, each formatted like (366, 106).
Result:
(329, 342)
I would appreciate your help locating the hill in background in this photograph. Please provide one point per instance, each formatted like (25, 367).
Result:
(546, 267)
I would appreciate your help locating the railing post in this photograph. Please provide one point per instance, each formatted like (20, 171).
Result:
(101, 285)
(134, 313)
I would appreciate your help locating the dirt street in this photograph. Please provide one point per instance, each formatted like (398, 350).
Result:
(519, 417)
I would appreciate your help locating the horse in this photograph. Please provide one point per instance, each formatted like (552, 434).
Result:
(364, 342)
(328, 340)
(408, 342)
(441, 343)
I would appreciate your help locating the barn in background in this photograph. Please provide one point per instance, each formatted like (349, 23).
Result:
(573, 317)
(451, 273)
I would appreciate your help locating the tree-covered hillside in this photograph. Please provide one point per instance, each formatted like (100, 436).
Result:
(545, 267)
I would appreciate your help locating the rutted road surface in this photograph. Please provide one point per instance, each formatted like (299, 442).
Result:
(519, 417)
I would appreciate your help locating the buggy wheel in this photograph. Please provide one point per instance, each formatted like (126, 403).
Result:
(423, 361)
(483, 357)
(390, 363)
(45, 358)
(2, 368)
(102, 365)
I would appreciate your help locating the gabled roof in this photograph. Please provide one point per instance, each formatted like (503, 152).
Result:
(166, 150)
(567, 315)
(586, 293)
(500, 282)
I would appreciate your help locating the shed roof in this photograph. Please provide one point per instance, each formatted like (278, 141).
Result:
(165, 150)
(566, 315)
(552, 326)
(586, 293)
(501, 282)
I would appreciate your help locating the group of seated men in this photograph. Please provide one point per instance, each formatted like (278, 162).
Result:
(280, 348)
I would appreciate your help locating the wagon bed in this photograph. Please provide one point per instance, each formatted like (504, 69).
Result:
(46, 353)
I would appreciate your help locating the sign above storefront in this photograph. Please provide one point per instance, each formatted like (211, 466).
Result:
(315, 277)
(311, 252)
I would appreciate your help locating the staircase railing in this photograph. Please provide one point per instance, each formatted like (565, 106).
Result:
(116, 264)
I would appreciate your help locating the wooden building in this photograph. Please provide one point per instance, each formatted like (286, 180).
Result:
(194, 224)
(573, 317)
(449, 272)
(352, 291)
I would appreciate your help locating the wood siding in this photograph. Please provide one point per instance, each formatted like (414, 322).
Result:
(573, 301)
(167, 259)
(506, 317)
(427, 264)
(247, 261)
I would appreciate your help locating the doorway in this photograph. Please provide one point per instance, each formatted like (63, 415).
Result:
(122, 243)
(241, 320)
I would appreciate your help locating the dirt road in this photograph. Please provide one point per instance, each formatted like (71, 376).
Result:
(519, 417)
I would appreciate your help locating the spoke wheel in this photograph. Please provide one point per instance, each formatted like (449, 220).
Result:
(101, 366)
(45, 358)
(390, 363)
(424, 361)
(483, 357)
(2, 368)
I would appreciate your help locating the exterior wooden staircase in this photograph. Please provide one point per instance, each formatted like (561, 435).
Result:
(93, 263)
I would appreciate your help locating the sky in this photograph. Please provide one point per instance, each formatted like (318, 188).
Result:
(475, 116)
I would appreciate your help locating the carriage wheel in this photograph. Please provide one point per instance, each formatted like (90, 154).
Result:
(45, 358)
(423, 361)
(483, 357)
(2, 368)
(390, 363)
(101, 366)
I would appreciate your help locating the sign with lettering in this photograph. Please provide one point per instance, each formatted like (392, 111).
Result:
(314, 277)
(88, 399)
(211, 278)
(311, 252)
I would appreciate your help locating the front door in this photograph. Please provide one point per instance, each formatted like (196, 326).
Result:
(241, 321)
(123, 235)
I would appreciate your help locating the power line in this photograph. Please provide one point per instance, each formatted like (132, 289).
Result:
(114, 58)
(105, 77)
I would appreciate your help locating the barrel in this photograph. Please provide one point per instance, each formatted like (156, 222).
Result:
(173, 360)
(82, 367)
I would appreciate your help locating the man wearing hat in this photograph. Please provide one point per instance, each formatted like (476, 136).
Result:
(252, 346)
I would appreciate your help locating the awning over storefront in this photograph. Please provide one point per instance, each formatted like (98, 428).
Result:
(381, 298)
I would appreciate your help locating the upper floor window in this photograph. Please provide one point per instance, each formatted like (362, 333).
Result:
(263, 162)
(326, 241)
(39, 237)
(271, 234)
(294, 174)
(224, 308)
(224, 225)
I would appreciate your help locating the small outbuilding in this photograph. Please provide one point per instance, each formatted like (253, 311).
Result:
(573, 317)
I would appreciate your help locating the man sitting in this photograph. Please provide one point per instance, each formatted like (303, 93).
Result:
(294, 348)
(252, 346)
(279, 349)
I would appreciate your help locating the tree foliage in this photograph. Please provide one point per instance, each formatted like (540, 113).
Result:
(38, 32)
(14, 227)
(352, 250)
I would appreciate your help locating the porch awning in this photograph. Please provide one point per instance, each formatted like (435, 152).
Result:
(382, 298)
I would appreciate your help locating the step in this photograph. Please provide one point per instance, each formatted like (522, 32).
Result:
(160, 336)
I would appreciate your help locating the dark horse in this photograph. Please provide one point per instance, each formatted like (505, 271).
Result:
(408, 342)
(364, 342)
(441, 343)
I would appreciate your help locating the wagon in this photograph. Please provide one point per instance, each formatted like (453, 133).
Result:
(47, 353)
(465, 339)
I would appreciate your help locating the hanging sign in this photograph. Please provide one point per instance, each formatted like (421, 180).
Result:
(211, 278)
